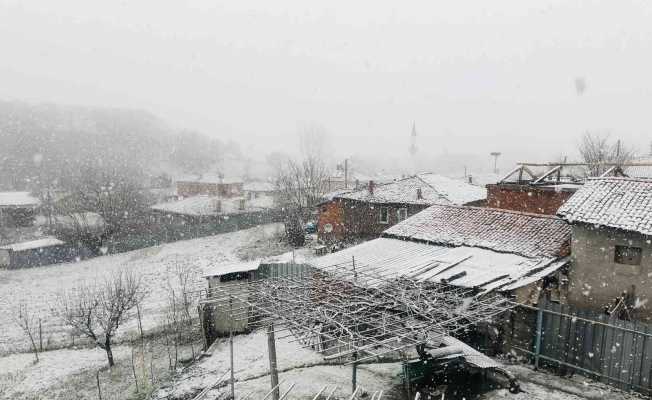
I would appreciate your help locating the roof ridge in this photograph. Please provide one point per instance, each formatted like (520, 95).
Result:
(432, 187)
(500, 210)
(620, 178)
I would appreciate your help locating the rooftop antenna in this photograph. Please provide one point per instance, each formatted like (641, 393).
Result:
(495, 155)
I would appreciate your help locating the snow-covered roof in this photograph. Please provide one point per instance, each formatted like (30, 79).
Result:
(530, 235)
(210, 178)
(18, 199)
(435, 189)
(622, 203)
(259, 187)
(463, 266)
(85, 220)
(34, 244)
(203, 205)
(220, 270)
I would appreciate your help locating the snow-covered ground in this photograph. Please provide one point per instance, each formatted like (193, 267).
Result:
(310, 373)
(302, 367)
(38, 287)
(19, 374)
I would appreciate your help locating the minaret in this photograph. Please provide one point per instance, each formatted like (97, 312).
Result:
(413, 148)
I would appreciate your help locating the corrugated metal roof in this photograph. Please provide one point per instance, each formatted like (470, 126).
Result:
(34, 244)
(435, 189)
(203, 205)
(231, 269)
(469, 267)
(471, 355)
(622, 203)
(530, 235)
(18, 199)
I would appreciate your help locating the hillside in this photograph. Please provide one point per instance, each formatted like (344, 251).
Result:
(44, 144)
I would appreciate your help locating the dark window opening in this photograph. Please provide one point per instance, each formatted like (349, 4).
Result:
(384, 215)
(628, 255)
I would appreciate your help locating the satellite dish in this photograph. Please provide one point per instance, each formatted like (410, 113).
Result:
(328, 228)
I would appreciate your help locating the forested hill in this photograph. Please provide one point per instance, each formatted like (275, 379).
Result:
(46, 143)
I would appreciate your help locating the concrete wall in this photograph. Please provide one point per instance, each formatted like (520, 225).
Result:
(596, 279)
(526, 198)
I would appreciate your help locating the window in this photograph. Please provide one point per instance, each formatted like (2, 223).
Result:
(384, 215)
(628, 255)
(401, 213)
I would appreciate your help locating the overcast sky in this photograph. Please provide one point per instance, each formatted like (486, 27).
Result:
(475, 76)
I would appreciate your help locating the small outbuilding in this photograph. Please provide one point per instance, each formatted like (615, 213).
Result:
(34, 253)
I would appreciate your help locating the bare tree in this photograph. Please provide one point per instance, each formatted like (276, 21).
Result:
(599, 152)
(112, 191)
(27, 322)
(98, 310)
(300, 185)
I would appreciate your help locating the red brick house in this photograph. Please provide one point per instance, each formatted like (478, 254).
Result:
(366, 213)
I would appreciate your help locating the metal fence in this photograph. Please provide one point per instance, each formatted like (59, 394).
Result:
(610, 350)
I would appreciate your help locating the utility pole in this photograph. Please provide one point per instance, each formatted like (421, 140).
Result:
(346, 173)
(495, 155)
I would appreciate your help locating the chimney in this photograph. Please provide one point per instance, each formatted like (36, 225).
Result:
(419, 194)
(371, 187)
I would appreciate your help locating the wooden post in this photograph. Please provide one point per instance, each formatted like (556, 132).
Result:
(537, 343)
(99, 389)
(231, 345)
(273, 372)
(354, 373)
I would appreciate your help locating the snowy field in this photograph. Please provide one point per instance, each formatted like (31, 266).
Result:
(38, 287)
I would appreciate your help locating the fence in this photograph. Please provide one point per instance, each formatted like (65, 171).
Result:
(613, 351)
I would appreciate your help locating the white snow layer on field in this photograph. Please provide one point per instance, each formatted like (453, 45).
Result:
(38, 287)
(295, 364)
(19, 373)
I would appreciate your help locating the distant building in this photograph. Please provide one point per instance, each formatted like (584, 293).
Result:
(367, 212)
(18, 209)
(210, 185)
(611, 269)
(256, 189)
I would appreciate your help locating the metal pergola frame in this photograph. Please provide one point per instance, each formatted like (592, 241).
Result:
(355, 316)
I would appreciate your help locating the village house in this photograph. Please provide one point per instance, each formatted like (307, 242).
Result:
(210, 185)
(203, 215)
(366, 213)
(522, 256)
(611, 269)
(18, 209)
(473, 247)
(256, 189)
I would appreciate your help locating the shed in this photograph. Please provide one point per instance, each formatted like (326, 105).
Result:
(34, 253)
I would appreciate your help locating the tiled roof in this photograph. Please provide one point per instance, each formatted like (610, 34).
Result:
(622, 203)
(435, 189)
(530, 235)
